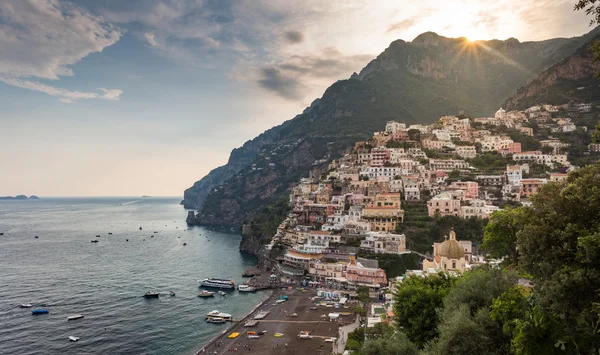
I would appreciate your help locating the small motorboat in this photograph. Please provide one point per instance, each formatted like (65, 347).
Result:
(206, 294)
(246, 288)
(155, 232)
(151, 294)
(151, 236)
(97, 235)
(25, 305)
(1, 233)
(75, 316)
(140, 228)
(126, 240)
(222, 293)
(109, 233)
(40, 311)
(216, 320)
(72, 338)
(184, 244)
(36, 237)
(171, 293)
(95, 241)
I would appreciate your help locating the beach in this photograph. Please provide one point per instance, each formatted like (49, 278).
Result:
(288, 318)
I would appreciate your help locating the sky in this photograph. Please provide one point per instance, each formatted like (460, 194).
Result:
(144, 97)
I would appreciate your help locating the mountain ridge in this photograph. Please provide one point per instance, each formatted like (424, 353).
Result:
(413, 82)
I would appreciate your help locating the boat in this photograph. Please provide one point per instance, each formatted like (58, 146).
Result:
(278, 335)
(151, 294)
(233, 335)
(206, 294)
(25, 305)
(95, 241)
(36, 237)
(140, 228)
(217, 283)
(171, 293)
(246, 288)
(109, 233)
(217, 314)
(72, 338)
(40, 311)
(251, 323)
(216, 320)
(98, 236)
(222, 293)
(184, 244)
(261, 315)
(75, 316)
(155, 232)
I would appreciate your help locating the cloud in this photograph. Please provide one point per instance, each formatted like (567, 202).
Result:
(403, 25)
(150, 38)
(43, 38)
(274, 80)
(63, 94)
(293, 37)
(290, 78)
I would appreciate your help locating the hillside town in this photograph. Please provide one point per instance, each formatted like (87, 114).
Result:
(357, 206)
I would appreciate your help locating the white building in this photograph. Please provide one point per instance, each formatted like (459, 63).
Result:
(380, 242)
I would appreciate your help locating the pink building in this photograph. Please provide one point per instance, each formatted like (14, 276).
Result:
(445, 204)
(470, 188)
(512, 148)
(365, 271)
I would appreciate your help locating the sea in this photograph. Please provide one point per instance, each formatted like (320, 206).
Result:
(64, 272)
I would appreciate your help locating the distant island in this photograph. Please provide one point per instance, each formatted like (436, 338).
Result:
(19, 197)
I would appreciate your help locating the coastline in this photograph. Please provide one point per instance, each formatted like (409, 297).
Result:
(235, 323)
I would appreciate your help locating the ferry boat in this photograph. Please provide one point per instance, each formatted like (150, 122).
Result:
(246, 288)
(216, 320)
(216, 314)
(217, 283)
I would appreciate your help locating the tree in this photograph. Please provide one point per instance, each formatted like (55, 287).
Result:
(462, 333)
(416, 303)
(560, 247)
(414, 134)
(547, 149)
(397, 343)
(591, 9)
(500, 234)
(508, 308)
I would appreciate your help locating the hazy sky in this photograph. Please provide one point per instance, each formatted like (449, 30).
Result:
(113, 97)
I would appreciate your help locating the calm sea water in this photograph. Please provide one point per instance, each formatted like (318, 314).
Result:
(65, 273)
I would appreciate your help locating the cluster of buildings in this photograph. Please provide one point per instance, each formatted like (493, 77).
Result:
(358, 203)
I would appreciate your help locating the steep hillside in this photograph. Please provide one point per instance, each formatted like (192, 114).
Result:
(572, 79)
(413, 82)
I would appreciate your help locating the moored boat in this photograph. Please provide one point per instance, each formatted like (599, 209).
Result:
(206, 294)
(246, 288)
(40, 311)
(75, 316)
(217, 314)
(25, 305)
(217, 283)
(151, 294)
(216, 320)
(72, 338)
(222, 293)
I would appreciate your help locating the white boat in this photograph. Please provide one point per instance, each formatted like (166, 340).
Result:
(253, 336)
(217, 283)
(261, 315)
(25, 305)
(206, 294)
(75, 316)
(217, 314)
(216, 320)
(222, 293)
(246, 288)
(72, 338)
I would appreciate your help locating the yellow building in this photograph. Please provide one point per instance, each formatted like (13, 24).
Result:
(384, 212)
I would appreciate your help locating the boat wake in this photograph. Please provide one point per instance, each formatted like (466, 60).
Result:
(130, 202)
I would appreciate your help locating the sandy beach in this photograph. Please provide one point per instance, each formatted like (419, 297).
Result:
(281, 319)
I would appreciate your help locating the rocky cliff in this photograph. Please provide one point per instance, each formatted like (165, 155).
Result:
(413, 82)
(571, 80)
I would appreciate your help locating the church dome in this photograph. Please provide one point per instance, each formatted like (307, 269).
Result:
(451, 248)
